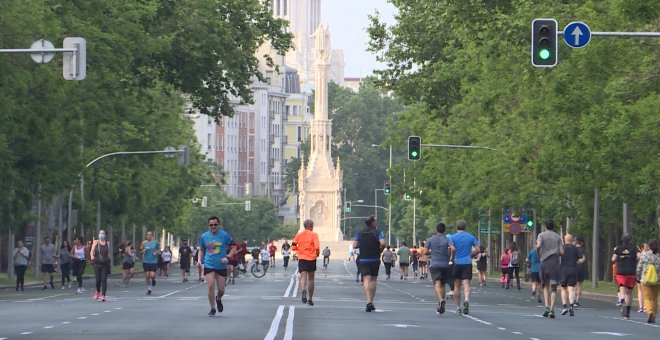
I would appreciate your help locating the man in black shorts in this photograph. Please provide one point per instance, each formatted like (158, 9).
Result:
(306, 243)
(569, 273)
(371, 243)
(582, 269)
(184, 260)
(438, 247)
(550, 248)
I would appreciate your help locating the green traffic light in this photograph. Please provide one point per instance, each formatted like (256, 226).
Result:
(530, 223)
(544, 54)
(413, 154)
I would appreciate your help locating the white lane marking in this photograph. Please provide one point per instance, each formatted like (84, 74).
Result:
(478, 320)
(295, 289)
(82, 318)
(288, 331)
(275, 325)
(117, 308)
(534, 339)
(46, 297)
(3, 338)
(107, 311)
(95, 314)
(65, 322)
(501, 328)
(637, 322)
(399, 325)
(516, 333)
(48, 327)
(26, 333)
(611, 333)
(288, 289)
(166, 295)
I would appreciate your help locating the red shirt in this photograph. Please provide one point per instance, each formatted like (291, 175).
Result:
(272, 249)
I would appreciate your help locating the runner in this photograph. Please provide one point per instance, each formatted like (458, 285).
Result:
(423, 264)
(166, 255)
(184, 260)
(233, 262)
(582, 269)
(414, 260)
(514, 263)
(482, 265)
(271, 250)
(265, 257)
(213, 253)
(549, 246)
(388, 261)
(625, 257)
(286, 253)
(47, 262)
(463, 247)
(505, 267)
(79, 261)
(404, 260)
(438, 247)
(371, 243)
(99, 256)
(128, 262)
(326, 257)
(150, 254)
(306, 244)
(534, 267)
(568, 268)
(65, 263)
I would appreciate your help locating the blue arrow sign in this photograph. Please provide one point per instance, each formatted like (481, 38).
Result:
(577, 34)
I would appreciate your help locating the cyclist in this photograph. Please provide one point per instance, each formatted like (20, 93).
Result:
(326, 257)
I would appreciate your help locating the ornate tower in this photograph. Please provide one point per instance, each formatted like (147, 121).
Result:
(320, 183)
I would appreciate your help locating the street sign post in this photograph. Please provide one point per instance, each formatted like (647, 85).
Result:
(577, 34)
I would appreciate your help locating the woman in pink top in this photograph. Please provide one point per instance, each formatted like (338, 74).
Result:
(504, 266)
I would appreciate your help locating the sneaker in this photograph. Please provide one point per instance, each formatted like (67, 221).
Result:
(368, 309)
(310, 302)
(441, 308)
(102, 298)
(641, 310)
(78, 291)
(570, 312)
(620, 302)
(45, 287)
(153, 282)
(96, 295)
(564, 311)
(149, 292)
(52, 285)
(546, 313)
(466, 307)
(69, 285)
(212, 312)
(62, 288)
(576, 304)
(304, 296)
(552, 314)
(651, 318)
(459, 311)
(218, 302)
(539, 300)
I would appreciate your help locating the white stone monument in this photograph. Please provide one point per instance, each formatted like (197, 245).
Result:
(320, 183)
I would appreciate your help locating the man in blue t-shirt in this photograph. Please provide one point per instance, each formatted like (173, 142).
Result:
(534, 265)
(464, 246)
(213, 245)
(371, 242)
(150, 252)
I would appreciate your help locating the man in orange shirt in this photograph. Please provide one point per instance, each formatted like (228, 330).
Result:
(306, 243)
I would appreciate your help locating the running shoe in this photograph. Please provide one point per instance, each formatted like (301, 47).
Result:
(78, 291)
(547, 312)
(539, 300)
(441, 308)
(310, 302)
(620, 302)
(212, 312)
(552, 314)
(370, 307)
(466, 307)
(149, 292)
(52, 285)
(45, 287)
(651, 318)
(576, 304)
(102, 298)
(459, 311)
(564, 311)
(570, 312)
(304, 296)
(153, 282)
(96, 295)
(218, 301)
(641, 310)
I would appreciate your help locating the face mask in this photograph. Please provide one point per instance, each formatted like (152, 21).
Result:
(101, 236)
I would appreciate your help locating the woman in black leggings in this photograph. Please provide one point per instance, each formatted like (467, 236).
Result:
(100, 257)
(21, 260)
(79, 262)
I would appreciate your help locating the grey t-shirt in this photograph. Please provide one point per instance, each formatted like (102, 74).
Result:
(550, 244)
(47, 254)
(439, 246)
(21, 256)
(64, 256)
(387, 256)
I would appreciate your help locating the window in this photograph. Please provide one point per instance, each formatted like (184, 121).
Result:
(209, 141)
(299, 134)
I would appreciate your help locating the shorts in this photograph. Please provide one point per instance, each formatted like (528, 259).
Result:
(369, 268)
(442, 274)
(422, 263)
(265, 263)
(306, 266)
(149, 267)
(550, 273)
(535, 276)
(463, 272)
(221, 272)
(581, 274)
(627, 281)
(48, 268)
(403, 264)
(185, 266)
(233, 262)
(568, 277)
(127, 265)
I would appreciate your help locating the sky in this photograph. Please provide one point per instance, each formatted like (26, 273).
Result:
(348, 23)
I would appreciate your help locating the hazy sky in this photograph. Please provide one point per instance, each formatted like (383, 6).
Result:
(348, 22)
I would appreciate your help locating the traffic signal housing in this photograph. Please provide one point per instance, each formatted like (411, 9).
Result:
(387, 190)
(348, 207)
(544, 42)
(414, 148)
(407, 196)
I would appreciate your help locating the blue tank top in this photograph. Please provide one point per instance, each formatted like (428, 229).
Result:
(150, 249)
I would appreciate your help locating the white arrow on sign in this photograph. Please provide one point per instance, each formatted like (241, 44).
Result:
(577, 32)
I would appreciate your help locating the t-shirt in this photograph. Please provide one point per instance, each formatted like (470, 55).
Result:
(286, 252)
(369, 244)
(550, 244)
(64, 256)
(184, 254)
(272, 249)
(286, 246)
(570, 256)
(47, 253)
(626, 259)
(150, 251)
(387, 256)
(582, 254)
(404, 254)
(265, 254)
(463, 243)
(534, 261)
(326, 252)
(167, 256)
(215, 248)
(307, 245)
(439, 246)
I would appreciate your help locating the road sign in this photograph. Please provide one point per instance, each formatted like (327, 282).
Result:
(577, 34)
(39, 56)
(495, 231)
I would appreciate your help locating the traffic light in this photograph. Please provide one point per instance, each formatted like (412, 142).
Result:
(348, 207)
(387, 189)
(414, 148)
(530, 224)
(407, 196)
(544, 42)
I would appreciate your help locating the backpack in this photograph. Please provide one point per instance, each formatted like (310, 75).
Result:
(650, 276)
(514, 258)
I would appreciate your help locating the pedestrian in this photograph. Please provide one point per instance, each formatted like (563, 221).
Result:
(423, 264)
(184, 260)
(242, 251)
(232, 265)
(271, 252)
(404, 260)
(438, 246)
(568, 270)
(127, 263)
(582, 269)
(79, 261)
(213, 246)
(644, 272)
(414, 260)
(625, 257)
(351, 252)
(371, 243)
(514, 263)
(640, 294)
(482, 265)
(166, 255)
(198, 264)
(21, 257)
(326, 257)
(505, 267)
(534, 267)
(464, 246)
(388, 261)
(286, 253)
(550, 248)
(47, 262)
(65, 263)
(160, 263)
(306, 244)
(99, 256)
(150, 254)
(265, 257)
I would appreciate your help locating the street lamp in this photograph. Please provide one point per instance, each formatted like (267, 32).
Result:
(389, 214)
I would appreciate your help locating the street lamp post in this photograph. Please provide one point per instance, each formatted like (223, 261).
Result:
(389, 199)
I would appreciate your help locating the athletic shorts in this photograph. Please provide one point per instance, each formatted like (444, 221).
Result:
(48, 268)
(185, 265)
(626, 281)
(233, 262)
(403, 264)
(422, 263)
(265, 263)
(149, 267)
(550, 273)
(369, 268)
(581, 274)
(127, 265)
(221, 272)
(568, 277)
(442, 274)
(463, 272)
(306, 266)
(535, 276)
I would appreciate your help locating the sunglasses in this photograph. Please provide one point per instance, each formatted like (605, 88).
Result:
(213, 224)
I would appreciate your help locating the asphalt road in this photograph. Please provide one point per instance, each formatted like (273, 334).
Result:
(271, 308)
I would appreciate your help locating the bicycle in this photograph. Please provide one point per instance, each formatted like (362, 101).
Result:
(326, 260)
(256, 269)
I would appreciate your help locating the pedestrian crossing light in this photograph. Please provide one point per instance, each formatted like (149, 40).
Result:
(348, 207)
(544, 42)
(407, 196)
(530, 224)
(387, 189)
(414, 148)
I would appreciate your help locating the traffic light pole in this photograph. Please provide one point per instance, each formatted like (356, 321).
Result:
(623, 34)
(460, 146)
(389, 199)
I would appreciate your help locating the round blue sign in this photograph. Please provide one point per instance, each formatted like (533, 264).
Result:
(577, 34)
